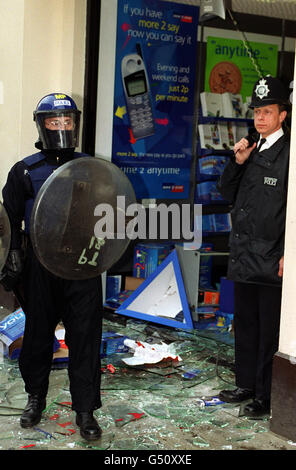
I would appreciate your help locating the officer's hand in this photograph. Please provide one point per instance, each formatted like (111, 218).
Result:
(242, 151)
(281, 267)
(12, 270)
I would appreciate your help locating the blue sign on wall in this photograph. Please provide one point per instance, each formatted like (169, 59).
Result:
(154, 96)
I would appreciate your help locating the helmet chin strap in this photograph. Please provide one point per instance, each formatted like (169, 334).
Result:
(39, 145)
(54, 152)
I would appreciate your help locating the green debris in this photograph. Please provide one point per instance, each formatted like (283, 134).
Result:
(148, 407)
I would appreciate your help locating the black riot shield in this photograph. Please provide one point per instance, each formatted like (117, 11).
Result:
(5, 236)
(78, 225)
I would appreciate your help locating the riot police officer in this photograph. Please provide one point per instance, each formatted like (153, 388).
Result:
(45, 298)
(255, 183)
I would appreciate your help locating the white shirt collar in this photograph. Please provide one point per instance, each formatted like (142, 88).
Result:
(271, 139)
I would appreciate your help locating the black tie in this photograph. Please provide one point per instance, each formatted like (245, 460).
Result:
(262, 141)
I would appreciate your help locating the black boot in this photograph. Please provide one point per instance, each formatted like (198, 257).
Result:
(89, 428)
(33, 411)
(236, 396)
(257, 408)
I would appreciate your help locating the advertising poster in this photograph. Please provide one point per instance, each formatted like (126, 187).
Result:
(155, 68)
(229, 67)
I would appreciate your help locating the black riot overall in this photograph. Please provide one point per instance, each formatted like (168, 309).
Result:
(50, 299)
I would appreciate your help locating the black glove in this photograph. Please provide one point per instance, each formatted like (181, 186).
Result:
(12, 270)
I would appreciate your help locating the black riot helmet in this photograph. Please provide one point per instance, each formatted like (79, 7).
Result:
(269, 90)
(58, 120)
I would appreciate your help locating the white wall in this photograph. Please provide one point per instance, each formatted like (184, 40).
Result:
(42, 51)
(288, 315)
(105, 97)
(11, 56)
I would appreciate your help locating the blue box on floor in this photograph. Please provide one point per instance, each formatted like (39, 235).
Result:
(226, 303)
(11, 334)
(225, 313)
(112, 343)
(148, 256)
(113, 286)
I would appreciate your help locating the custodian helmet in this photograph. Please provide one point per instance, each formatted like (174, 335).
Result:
(269, 90)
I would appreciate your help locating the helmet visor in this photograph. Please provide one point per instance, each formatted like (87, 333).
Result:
(58, 130)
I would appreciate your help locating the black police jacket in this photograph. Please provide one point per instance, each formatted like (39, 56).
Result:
(258, 192)
(19, 189)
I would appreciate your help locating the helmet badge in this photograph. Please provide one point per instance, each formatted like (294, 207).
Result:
(262, 89)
